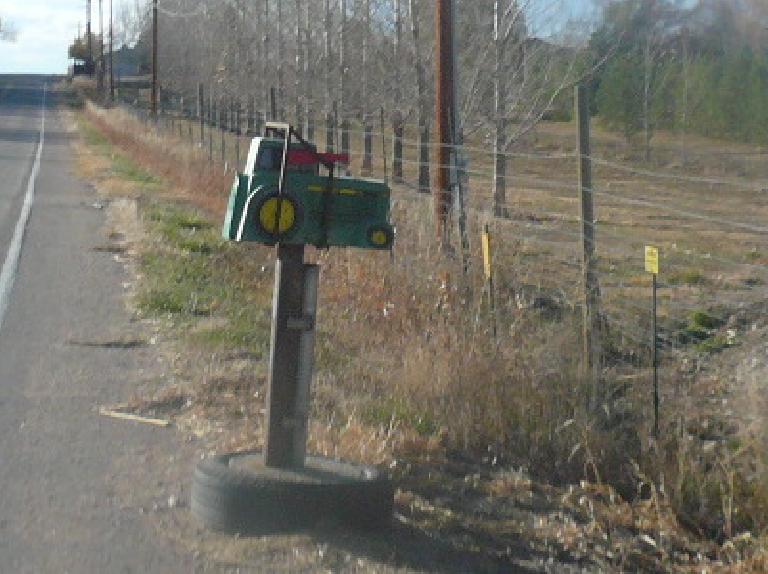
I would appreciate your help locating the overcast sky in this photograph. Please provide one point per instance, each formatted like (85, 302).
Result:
(47, 27)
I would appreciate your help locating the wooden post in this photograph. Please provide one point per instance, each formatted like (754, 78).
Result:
(201, 112)
(397, 114)
(284, 423)
(251, 120)
(210, 126)
(330, 129)
(266, 27)
(222, 119)
(383, 143)
(444, 112)
(309, 127)
(367, 167)
(341, 110)
(591, 303)
(299, 71)
(273, 103)
(154, 96)
(397, 146)
(421, 88)
(329, 74)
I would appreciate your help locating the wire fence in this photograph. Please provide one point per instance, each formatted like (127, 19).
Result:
(707, 224)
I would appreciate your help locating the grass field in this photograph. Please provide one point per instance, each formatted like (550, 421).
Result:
(407, 362)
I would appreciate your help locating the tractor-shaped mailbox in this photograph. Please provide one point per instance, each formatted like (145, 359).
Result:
(282, 197)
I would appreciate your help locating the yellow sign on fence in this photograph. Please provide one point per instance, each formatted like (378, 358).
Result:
(487, 261)
(652, 259)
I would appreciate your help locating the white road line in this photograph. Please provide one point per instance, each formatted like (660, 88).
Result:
(11, 264)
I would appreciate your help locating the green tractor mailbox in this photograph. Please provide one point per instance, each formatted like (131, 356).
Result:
(281, 197)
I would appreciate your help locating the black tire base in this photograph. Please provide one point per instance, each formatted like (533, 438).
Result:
(236, 493)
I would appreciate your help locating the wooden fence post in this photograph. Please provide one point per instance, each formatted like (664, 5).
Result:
(238, 131)
(330, 128)
(210, 126)
(592, 355)
(251, 121)
(397, 146)
(222, 119)
(201, 112)
(367, 167)
(424, 182)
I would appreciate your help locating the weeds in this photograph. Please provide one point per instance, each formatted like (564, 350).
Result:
(690, 277)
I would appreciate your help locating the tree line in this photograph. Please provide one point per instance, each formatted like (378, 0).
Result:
(699, 68)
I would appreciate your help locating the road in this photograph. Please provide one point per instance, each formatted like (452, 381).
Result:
(60, 460)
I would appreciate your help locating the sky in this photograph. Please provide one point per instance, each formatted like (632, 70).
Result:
(46, 28)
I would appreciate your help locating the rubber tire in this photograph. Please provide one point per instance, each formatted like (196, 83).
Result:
(235, 500)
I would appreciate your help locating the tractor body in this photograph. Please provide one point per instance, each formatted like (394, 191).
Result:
(306, 207)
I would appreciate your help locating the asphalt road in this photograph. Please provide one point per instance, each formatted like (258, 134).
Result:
(60, 460)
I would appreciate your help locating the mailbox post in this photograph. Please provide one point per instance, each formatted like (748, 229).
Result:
(291, 360)
(280, 487)
(305, 208)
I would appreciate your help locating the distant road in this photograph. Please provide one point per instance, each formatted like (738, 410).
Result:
(59, 460)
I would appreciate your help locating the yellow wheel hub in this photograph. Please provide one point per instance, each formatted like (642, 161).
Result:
(379, 238)
(276, 207)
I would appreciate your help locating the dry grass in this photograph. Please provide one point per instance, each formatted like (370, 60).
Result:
(408, 367)
(192, 177)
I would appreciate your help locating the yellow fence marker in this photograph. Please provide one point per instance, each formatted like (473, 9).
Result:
(488, 270)
(487, 255)
(652, 259)
(652, 267)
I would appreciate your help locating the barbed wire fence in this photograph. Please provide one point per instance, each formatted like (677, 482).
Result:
(705, 216)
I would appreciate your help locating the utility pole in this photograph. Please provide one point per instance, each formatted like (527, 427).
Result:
(154, 59)
(88, 32)
(444, 113)
(111, 51)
